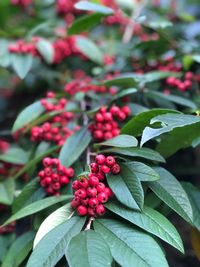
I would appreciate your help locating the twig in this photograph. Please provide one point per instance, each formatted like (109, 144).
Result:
(131, 25)
(88, 226)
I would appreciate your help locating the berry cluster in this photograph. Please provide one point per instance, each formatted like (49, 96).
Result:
(22, 47)
(84, 85)
(66, 6)
(91, 193)
(184, 85)
(64, 48)
(22, 3)
(106, 124)
(54, 176)
(55, 130)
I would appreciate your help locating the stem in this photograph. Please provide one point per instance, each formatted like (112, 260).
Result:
(129, 30)
(88, 226)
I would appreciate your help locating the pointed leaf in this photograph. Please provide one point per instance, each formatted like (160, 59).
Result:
(7, 191)
(54, 219)
(36, 207)
(46, 50)
(22, 64)
(85, 5)
(151, 221)
(52, 246)
(127, 188)
(136, 125)
(194, 197)
(15, 155)
(89, 49)
(91, 248)
(142, 152)
(172, 194)
(121, 140)
(27, 115)
(19, 250)
(143, 172)
(129, 246)
(74, 147)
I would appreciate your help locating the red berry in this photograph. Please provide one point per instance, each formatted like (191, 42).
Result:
(108, 135)
(107, 116)
(109, 192)
(75, 185)
(48, 180)
(93, 202)
(98, 135)
(100, 210)
(48, 171)
(83, 183)
(114, 110)
(82, 210)
(102, 197)
(126, 110)
(100, 159)
(55, 162)
(94, 167)
(84, 201)
(101, 176)
(47, 162)
(91, 212)
(110, 161)
(91, 192)
(100, 187)
(64, 180)
(93, 180)
(56, 186)
(99, 117)
(105, 169)
(81, 193)
(69, 172)
(121, 116)
(115, 169)
(189, 75)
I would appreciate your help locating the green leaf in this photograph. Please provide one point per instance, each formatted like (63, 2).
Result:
(19, 250)
(136, 125)
(34, 161)
(172, 194)
(54, 219)
(182, 101)
(89, 49)
(151, 221)
(143, 172)
(85, 5)
(194, 197)
(91, 248)
(129, 246)
(127, 188)
(27, 115)
(7, 191)
(125, 92)
(52, 246)
(168, 123)
(27, 193)
(85, 23)
(74, 147)
(121, 140)
(179, 138)
(125, 80)
(5, 243)
(153, 76)
(46, 50)
(162, 24)
(15, 155)
(36, 207)
(145, 153)
(21, 63)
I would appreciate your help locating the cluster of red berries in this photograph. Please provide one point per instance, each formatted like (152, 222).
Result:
(90, 192)
(84, 85)
(54, 176)
(64, 48)
(106, 124)
(22, 3)
(179, 84)
(8, 228)
(55, 130)
(22, 47)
